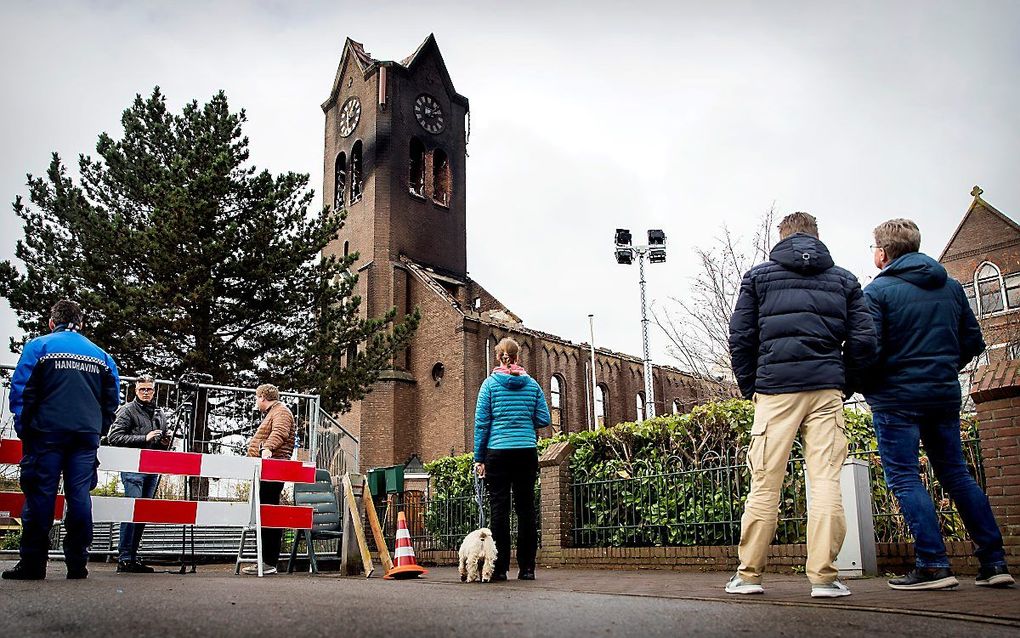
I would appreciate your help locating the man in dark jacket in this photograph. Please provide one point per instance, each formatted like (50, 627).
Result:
(799, 325)
(139, 424)
(927, 334)
(64, 393)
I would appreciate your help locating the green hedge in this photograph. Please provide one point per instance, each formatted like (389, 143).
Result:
(699, 484)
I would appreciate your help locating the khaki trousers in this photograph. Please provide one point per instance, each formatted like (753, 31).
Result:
(818, 415)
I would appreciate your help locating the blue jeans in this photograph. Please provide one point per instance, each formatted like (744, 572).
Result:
(46, 456)
(899, 433)
(135, 486)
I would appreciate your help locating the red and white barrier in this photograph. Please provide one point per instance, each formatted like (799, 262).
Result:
(199, 513)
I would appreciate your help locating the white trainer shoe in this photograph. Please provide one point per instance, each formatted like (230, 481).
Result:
(737, 586)
(835, 589)
(253, 570)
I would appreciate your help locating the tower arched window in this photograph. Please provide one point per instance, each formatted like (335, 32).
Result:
(347, 248)
(440, 177)
(339, 180)
(357, 169)
(416, 168)
(988, 283)
(639, 402)
(677, 408)
(490, 352)
(600, 405)
(556, 403)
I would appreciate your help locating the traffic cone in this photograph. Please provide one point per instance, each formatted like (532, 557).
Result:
(404, 565)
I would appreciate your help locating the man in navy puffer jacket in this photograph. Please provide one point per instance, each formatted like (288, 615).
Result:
(799, 325)
(927, 334)
(64, 394)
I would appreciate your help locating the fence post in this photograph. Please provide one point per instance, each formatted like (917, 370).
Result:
(996, 394)
(557, 504)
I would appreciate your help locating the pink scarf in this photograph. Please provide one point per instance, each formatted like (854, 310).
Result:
(513, 369)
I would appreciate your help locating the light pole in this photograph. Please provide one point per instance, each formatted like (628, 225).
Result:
(655, 253)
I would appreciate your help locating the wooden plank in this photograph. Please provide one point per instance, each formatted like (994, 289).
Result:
(377, 533)
(359, 529)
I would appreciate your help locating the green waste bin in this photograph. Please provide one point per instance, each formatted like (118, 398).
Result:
(376, 480)
(395, 479)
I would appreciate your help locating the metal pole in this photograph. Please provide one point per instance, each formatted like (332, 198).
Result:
(594, 383)
(649, 391)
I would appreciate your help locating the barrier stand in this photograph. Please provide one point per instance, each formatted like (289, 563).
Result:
(377, 532)
(359, 530)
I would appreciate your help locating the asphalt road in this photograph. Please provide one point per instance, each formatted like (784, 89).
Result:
(217, 603)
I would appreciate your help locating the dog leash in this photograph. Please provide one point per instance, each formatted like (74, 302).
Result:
(478, 499)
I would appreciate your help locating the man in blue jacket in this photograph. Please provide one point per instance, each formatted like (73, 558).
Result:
(64, 394)
(799, 325)
(927, 334)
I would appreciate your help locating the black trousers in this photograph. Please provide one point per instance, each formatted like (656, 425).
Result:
(269, 494)
(515, 471)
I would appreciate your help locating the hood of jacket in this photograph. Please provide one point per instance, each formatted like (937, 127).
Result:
(512, 381)
(802, 253)
(918, 269)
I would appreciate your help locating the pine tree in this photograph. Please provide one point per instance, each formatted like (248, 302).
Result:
(187, 258)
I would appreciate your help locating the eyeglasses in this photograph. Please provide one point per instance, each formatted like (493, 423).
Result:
(875, 246)
(145, 390)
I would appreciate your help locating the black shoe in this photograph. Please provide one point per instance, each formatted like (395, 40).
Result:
(133, 567)
(77, 573)
(24, 571)
(926, 578)
(526, 574)
(498, 578)
(997, 576)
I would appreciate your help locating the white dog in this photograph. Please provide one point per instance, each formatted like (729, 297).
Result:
(477, 553)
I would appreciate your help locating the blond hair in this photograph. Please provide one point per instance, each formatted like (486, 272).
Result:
(507, 351)
(897, 237)
(798, 223)
(268, 391)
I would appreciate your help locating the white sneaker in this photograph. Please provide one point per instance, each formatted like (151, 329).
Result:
(835, 589)
(737, 586)
(253, 570)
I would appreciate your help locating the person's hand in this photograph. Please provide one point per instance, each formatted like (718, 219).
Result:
(267, 453)
(480, 470)
(152, 436)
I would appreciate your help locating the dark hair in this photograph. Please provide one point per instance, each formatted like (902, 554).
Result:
(66, 311)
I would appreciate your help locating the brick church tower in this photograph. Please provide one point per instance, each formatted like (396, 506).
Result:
(395, 149)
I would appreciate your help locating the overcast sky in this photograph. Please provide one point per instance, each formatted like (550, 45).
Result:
(584, 117)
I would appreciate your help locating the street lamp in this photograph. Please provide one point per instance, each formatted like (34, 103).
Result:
(655, 252)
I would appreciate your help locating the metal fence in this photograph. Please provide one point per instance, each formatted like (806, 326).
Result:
(703, 505)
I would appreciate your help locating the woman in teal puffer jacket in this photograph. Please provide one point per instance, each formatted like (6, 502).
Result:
(511, 406)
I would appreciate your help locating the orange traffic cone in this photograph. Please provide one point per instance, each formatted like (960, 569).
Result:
(404, 565)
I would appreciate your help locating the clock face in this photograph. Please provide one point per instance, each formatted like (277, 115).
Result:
(429, 114)
(350, 113)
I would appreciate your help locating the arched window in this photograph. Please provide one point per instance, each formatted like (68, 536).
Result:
(339, 181)
(347, 249)
(357, 178)
(416, 170)
(600, 405)
(988, 282)
(556, 403)
(440, 177)
(677, 408)
(639, 401)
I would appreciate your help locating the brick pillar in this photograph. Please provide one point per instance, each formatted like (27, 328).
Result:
(996, 394)
(557, 505)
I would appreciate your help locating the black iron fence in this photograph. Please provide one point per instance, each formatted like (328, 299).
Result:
(703, 505)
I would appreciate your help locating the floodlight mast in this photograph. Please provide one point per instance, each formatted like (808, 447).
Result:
(655, 252)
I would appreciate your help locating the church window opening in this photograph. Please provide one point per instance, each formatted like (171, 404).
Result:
(639, 402)
(490, 351)
(347, 248)
(1013, 291)
(556, 403)
(416, 170)
(477, 303)
(357, 179)
(988, 281)
(440, 177)
(677, 408)
(600, 405)
(339, 181)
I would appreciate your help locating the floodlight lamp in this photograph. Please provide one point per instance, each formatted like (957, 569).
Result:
(622, 237)
(657, 255)
(624, 256)
(656, 238)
